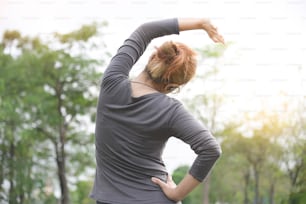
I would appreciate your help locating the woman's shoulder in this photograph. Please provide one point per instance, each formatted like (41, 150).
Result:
(172, 104)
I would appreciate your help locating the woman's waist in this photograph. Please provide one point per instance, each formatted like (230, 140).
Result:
(132, 170)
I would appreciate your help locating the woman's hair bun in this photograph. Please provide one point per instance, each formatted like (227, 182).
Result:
(172, 63)
(167, 52)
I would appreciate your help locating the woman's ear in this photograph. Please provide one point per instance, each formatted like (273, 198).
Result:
(171, 87)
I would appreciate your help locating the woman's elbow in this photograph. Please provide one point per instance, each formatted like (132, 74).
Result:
(218, 151)
(215, 150)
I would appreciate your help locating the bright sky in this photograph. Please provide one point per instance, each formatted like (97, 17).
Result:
(268, 38)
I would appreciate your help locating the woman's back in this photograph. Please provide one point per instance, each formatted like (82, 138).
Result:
(130, 139)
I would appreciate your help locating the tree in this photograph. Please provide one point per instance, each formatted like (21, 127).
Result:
(17, 139)
(231, 177)
(295, 151)
(256, 160)
(49, 88)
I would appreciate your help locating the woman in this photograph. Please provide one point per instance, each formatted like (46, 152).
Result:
(135, 118)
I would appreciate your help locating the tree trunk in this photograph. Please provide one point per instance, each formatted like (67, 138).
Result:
(61, 168)
(12, 189)
(206, 189)
(21, 198)
(2, 149)
(246, 183)
(271, 193)
(256, 174)
(60, 148)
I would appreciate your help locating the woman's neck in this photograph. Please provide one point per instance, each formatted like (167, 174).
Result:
(145, 79)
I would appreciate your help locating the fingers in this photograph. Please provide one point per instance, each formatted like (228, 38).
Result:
(214, 35)
(168, 188)
(158, 182)
(169, 178)
(218, 38)
(162, 184)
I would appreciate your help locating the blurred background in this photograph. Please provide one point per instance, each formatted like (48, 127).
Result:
(250, 93)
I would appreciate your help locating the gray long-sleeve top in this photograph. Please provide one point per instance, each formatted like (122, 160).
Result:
(131, 132)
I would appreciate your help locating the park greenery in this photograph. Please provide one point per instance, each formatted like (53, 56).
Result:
(48, 95)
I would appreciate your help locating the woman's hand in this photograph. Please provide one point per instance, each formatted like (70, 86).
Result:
(168, 188)
(201, 23)
(212, 31)
(179, 192)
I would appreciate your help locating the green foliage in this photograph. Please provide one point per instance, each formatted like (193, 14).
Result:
(83, 34)
(298, 198)
(251, 167)
(179, 173)
(45, 94)
(80, 194)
